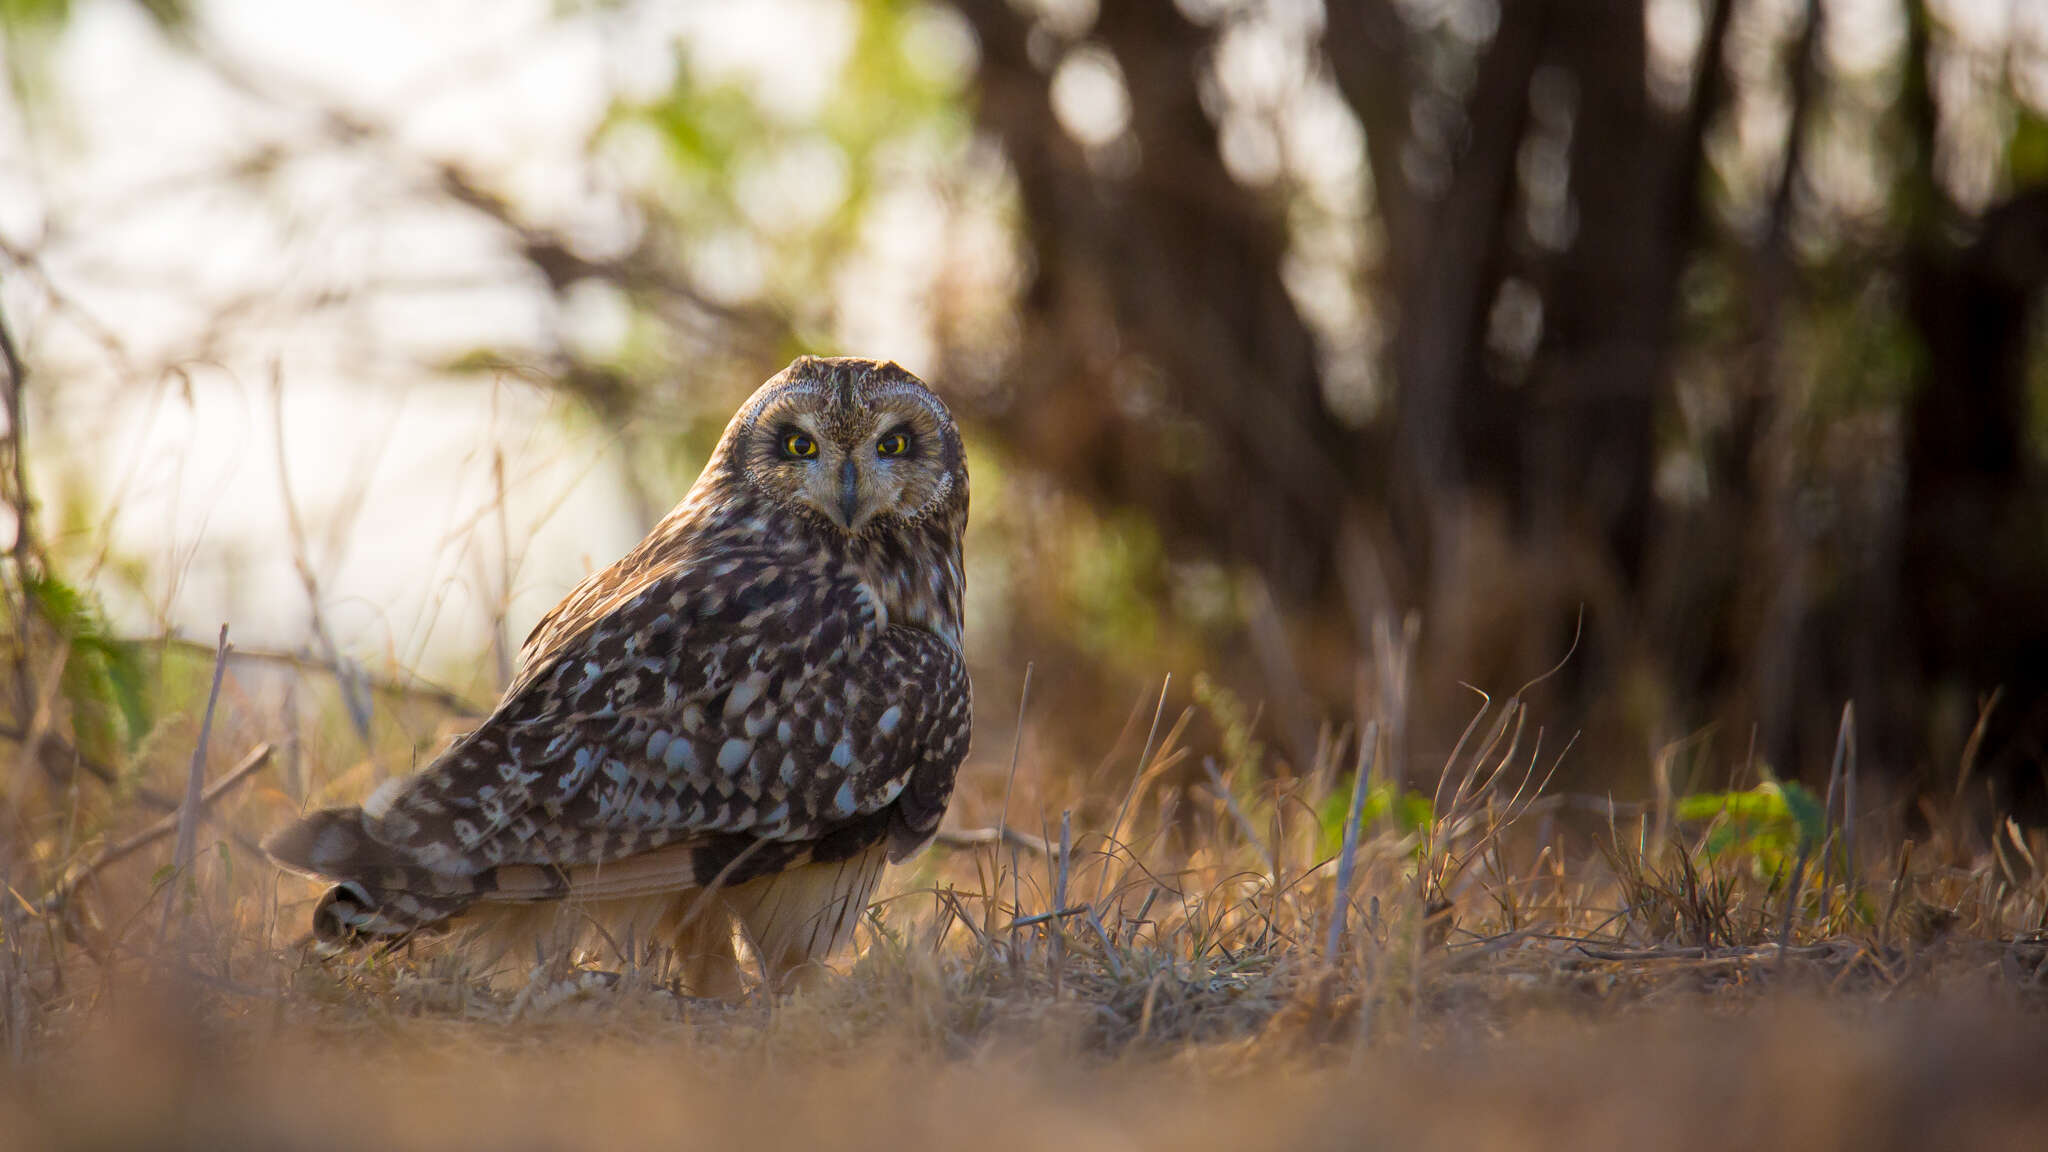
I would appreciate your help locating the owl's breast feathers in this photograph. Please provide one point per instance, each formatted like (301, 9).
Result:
(726, 702)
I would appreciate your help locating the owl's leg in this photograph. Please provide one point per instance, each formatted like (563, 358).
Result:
(794, 920)
(509, 943)
(706, 964)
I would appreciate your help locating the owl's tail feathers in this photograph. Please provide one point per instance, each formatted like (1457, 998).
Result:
(332, 842)
(353, 913)
(378, 893)
(381, 891)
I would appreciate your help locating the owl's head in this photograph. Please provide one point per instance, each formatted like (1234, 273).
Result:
(859, 445)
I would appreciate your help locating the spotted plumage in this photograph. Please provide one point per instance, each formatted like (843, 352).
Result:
(733, 725)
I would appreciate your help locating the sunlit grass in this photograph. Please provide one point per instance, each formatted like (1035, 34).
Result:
(1184, 918)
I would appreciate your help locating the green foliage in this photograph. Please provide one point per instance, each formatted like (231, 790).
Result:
(34, 14)
(887, 105)
(28, 32)
(1243, 754)
(52, 15)
(1111, 585)
(2026, 154)
(1410, 811)
(1769, 825)
(706, 129)
(1244, 772)
(105, 679)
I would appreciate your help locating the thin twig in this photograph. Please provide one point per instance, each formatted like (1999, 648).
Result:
(1048, 917)
(975, 837)
(164, 826)
(951, 899)
(17, 384)
(1016, 747)
(1849, 809)
(1757, 952)
(56, 757)
(503, 650)
(1003, 820)
(1843, 735)
(1116, 968)
(1792, 897)
(1056, 955)
(188, 815)
(1368, 747)
(31, 703)
(1967, 766)
(345, 674)
(412, 687)
(1891, 904)
(1144, 759)
(1244, 822)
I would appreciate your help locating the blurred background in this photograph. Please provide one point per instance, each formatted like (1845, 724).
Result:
(1328, 356)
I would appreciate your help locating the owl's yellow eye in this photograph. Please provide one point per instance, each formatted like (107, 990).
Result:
(894, 444)
(800, 446)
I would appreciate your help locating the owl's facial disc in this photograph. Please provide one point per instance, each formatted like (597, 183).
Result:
(854, 471)
(858, 447)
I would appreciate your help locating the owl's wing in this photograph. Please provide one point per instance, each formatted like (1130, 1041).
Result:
(752, 712)
(601, 594)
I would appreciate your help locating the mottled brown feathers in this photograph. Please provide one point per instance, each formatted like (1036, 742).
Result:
(744, 714)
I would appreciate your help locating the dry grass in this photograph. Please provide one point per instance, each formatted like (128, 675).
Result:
(1514, 967)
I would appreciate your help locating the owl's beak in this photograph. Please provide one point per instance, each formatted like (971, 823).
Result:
(849, 495)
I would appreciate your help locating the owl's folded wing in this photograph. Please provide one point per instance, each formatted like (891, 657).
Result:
(754, 716)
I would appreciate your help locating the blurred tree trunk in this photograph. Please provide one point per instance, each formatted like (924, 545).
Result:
(1559, 457)
(1166, 367)
(1976, 521)
(1447, 252)
(1974, 546)
(1594, 387)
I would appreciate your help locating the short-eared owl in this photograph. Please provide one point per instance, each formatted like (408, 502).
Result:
(734, 724)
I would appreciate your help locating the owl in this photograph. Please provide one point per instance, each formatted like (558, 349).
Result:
(729, 731)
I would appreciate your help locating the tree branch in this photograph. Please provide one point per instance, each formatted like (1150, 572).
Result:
(1369, 49)
(164, 826)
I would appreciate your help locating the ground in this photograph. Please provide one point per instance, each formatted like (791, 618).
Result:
(1161, 964)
